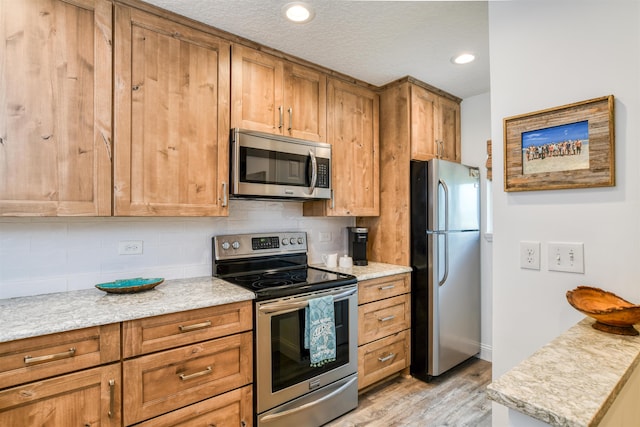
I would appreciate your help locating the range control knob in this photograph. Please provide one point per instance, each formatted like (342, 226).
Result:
(300, 240)
(235, 245)
(285, 241)
(292, 240)
(225, 245)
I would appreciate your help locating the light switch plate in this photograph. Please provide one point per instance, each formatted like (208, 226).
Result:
(567, 257)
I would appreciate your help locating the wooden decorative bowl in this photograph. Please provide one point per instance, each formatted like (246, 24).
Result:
(612, 313)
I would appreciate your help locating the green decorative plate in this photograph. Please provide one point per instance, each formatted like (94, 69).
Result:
(128, 286)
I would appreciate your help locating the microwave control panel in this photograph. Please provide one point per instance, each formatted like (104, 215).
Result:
(323, 173)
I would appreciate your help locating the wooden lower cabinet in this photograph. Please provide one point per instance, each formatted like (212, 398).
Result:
(384, 322)
(379, 359)
(191, 368)
(165, 381)
(232, 409)
(87, 398)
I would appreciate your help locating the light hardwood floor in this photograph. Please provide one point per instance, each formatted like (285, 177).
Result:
(454, 399)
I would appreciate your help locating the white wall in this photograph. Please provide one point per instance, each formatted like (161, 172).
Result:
(476, 130)
(546, 54)
(44, 255)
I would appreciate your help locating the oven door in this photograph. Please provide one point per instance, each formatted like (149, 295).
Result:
(264, 165)
(283, 370)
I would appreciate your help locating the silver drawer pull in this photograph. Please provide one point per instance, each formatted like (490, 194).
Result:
(195, 326)
(385, 319)
(385, 358)
(112, 393)
(184, 377)
(386, 288)
(70, 353)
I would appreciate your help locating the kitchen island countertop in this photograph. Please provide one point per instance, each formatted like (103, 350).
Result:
(36, 315)
(573, 380)
(371, 271)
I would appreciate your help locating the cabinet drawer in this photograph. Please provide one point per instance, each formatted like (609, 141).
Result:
(157, 333)
(384, 287)
(161, 382)
(31, 359)
(381, 318)
(89, 397)
(229, 409)
(382, 358)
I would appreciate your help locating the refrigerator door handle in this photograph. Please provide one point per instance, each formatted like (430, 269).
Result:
(445, 190)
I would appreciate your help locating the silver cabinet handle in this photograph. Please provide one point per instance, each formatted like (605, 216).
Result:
(194, 327)
(386, 358)
(49, 357)
(224, 194)
(386, 319)
(290, 110)
(184, 377)
(112, 392)
(279, 116)
(386, 288)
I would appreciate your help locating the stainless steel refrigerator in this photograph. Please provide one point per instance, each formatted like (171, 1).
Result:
(445, 256)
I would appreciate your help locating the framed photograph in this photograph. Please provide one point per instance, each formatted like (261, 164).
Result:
(564, 147)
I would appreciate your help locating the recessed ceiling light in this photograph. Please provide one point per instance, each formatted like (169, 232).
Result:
(464, 58)
(298, 12)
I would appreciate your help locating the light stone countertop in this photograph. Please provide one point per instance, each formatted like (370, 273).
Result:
(31, 316)
(573, 380)
(371, 271)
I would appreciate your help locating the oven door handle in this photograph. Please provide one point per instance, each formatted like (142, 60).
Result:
(284, 307)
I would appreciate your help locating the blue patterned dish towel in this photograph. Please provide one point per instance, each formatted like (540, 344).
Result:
(320, 331)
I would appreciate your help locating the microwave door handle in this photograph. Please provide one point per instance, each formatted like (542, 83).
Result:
(314, 172)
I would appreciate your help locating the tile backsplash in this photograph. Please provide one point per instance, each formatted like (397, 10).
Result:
(44, 255)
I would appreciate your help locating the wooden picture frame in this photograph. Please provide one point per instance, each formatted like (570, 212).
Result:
(571, 146)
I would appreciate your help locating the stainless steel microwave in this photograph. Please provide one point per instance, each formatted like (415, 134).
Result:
(273, 166)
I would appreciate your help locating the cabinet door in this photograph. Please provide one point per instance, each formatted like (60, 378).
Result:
(305, 103)
(256, 91)
(55, 107)
(172, 120)
(352, 131)
(86, 398)
(435, 126)
(423, 124)
(449, 132)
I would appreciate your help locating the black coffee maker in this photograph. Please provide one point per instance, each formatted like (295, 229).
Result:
(358, 244)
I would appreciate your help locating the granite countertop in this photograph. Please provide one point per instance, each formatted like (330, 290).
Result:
(371, 271)
(573, 380)
(31, 316)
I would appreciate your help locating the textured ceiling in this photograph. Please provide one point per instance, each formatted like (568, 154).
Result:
(374, 41)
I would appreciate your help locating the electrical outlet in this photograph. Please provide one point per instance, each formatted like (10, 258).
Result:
(530, 255)
(568, 257)
(130, 247)
(324, 236)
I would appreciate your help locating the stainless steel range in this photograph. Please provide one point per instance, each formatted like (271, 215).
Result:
(288, 390)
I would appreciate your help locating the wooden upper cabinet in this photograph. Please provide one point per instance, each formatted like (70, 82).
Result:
(171, 121)
(55, 107)
(435, 126)
(352, 131)
(272, 95)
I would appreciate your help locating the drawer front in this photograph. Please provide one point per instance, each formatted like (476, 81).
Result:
(384, 287)
(379, 359)
(157, 333)
(234, 408)
(31, 359)
(165, 381)
(89, 397)
(381, 318)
